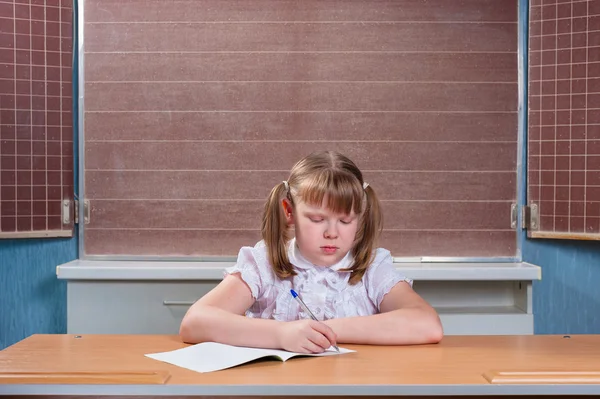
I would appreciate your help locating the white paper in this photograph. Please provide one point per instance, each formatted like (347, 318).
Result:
(212, 356)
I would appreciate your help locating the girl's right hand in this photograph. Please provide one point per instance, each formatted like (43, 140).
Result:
(305, 336)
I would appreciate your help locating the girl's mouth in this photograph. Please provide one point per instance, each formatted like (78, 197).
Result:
(329, 249)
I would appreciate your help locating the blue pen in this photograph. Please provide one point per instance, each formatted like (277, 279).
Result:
(303, 306)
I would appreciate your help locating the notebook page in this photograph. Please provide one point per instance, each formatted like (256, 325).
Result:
(212, 356)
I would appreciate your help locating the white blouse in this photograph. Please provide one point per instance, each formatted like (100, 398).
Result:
(324, 290)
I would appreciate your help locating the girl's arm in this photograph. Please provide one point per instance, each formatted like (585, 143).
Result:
(405, 319)
(219, 317)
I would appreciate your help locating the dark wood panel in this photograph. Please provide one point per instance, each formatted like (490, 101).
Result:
(315, 126)
(282, 155)
(245, 185)
(422, 95)
(358, 36)
(246, 214)
(301, 96)
(227, 243)
(438, 67)
(306, 10)
(168, 242)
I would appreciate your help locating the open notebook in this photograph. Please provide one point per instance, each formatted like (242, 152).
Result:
(212, 356)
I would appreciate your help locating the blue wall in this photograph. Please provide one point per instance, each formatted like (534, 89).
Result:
(567, 298)
(32, 299)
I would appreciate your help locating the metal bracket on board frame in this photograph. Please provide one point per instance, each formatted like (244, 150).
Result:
(531, 217)
(86, 212)
(70, 211)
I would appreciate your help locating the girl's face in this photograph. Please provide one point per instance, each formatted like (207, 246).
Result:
(323, 237)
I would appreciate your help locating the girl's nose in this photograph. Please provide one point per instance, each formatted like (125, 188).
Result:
(331, 231)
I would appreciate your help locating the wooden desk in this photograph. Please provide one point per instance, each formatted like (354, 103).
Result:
(458, 366)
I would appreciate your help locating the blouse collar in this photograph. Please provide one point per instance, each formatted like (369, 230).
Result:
(299, 261)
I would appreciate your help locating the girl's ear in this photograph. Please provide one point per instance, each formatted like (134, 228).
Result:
(287, 211)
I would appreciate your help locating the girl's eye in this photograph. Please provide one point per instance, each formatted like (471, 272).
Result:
(316, 220)
(346, 221)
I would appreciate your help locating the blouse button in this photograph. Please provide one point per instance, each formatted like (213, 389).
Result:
(332, 280)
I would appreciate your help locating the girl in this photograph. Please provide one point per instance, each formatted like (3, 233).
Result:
(330, 260)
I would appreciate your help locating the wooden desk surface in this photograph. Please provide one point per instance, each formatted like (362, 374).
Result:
(470, 364)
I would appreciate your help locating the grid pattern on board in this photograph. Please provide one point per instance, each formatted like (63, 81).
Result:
(564, 115)
(36, 132)
(193, 113)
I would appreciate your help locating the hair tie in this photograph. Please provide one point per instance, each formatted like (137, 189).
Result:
(286, 185)
(365, 185)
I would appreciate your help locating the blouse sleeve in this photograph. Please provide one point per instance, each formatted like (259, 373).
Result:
(382, 276)
(249, 266)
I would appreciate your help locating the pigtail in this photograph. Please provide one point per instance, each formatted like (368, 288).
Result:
(275, 232)
(366, 236)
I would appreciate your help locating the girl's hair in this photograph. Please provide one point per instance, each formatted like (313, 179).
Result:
(322, 175)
